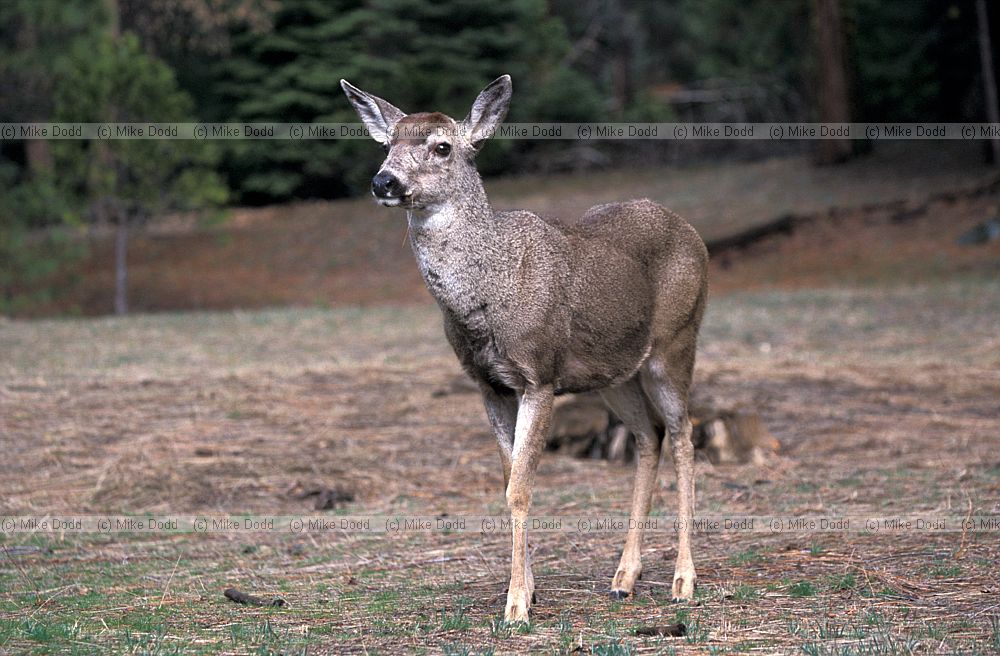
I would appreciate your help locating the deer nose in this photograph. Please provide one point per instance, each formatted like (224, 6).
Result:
(386, 185)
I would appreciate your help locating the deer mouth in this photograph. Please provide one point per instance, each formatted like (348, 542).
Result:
(396, 201)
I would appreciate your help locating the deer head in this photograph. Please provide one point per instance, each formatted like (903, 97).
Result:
(429, 155)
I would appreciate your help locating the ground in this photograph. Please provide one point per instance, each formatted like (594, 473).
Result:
(875, 366)
(353, 252)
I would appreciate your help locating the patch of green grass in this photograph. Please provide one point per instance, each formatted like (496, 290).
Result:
(145, 620)
(265, 638)
(500, 629)
(149, 644)
(703, 592)
(566, 637)
(945, 571)
(873, 617)
(457, 619)
(842, 582)
(744, 592)
(383, 626)
(612, 629)
(460, 649)
(614, 647)
(964, 623)
(384, 601)
(40, 630)
(87, 600)
(934, 632)
(802, 589)
(748, 646)
(829, 631)
(696, 634)
(746, 557)
(882, 643)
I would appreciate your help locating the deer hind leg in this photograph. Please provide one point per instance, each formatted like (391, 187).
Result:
(627, 401)
(665, 381)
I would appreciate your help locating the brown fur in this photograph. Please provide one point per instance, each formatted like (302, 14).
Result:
(413, 129)
(534, 308)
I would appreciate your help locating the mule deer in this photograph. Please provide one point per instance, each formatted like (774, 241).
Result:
(534, 308)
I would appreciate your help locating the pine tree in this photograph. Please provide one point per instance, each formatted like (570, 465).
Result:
(108, 78)
(420, 55)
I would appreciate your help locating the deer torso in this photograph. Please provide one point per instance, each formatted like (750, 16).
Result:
(527, 301)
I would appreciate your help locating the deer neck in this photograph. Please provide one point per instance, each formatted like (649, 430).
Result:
(463, 212)
(459, 247)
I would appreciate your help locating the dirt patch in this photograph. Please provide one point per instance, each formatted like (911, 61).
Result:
(869, 246)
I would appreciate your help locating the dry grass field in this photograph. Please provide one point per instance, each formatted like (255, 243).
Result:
(885, 401)
(867, 342)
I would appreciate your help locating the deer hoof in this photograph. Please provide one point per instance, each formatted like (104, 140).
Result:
(683, 588)
(534, 597)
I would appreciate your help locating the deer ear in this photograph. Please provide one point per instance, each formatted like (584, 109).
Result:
(488, 111)
(378, 115)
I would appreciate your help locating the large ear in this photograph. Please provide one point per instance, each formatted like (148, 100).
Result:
(488, 111)
(377, 114)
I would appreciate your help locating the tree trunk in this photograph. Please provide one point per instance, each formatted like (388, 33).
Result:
(121, 264)
(39, 157)
(122, 216)
(37, 152)
(989, 78)
(114, 18)
(834, 98)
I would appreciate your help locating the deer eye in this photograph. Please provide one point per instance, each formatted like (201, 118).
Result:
(385, 147)
(442, 149)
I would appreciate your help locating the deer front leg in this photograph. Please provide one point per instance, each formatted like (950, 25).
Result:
(501, 409)
(534, 415)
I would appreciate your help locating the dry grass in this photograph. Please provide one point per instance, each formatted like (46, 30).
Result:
(884, 398)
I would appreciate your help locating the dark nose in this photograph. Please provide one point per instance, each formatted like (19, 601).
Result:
(386, 185)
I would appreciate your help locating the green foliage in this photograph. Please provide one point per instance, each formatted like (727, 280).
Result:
(420, 56)
(38, 222)
(915, 59)
(34, 35)
(30, 259)
(909, 60)
(802, 589)
(79, 71)
(112, 79)
(753, 40)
